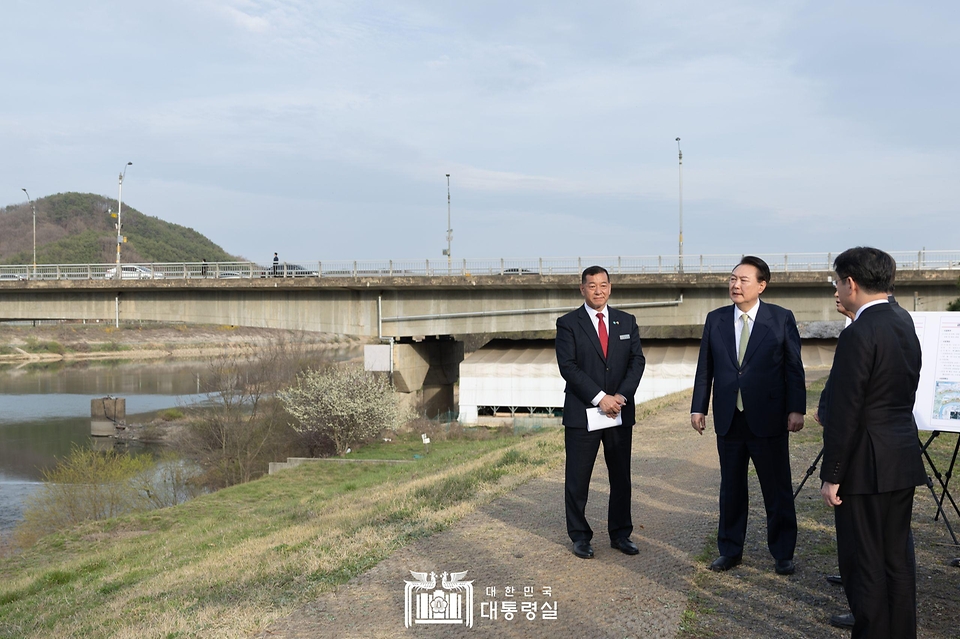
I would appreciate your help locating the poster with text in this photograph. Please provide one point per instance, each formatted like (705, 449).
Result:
(938, 397)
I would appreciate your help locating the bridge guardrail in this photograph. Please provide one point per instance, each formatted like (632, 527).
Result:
(779, 263)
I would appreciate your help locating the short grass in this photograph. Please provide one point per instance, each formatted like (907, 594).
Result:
(228, 564)
(34, 345)
(110, 347)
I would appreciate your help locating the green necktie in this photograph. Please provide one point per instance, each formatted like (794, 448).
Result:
(744, 338)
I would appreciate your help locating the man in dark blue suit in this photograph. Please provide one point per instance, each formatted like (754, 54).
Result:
(750, 356)
(599, 355)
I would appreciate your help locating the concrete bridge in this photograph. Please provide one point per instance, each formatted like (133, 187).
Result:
(404, 302)
(427, 315)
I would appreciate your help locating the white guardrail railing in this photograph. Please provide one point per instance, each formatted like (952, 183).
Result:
(780, 263)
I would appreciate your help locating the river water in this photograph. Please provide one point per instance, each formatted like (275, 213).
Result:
(45, 411)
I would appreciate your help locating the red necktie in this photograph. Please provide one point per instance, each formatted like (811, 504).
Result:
(602, 328)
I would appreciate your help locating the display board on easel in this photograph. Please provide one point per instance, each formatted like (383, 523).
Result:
(937, 406)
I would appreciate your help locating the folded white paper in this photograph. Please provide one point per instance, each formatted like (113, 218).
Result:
(598, 420)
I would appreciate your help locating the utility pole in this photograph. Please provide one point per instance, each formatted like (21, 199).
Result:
(34, 233)
(119, 218)
(449, 251)
(681, 205)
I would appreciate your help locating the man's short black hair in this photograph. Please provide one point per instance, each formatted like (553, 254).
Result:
(593, 270)
(763, 271)
(872, 269)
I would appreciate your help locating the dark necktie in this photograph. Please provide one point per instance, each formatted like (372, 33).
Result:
(602, 329)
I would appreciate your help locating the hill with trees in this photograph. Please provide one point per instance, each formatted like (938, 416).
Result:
(78, 228)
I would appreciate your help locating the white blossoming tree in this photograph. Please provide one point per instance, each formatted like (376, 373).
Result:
(345, 404)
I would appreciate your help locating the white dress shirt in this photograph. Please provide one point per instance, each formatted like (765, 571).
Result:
(868, 305)
(738, 322)
(596, 326)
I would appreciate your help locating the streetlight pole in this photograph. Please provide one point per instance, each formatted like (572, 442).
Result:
(449, 251)
(119, 218)
(34, 233)
(681, 205)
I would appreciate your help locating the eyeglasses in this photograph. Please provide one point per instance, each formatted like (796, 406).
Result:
(834, 282)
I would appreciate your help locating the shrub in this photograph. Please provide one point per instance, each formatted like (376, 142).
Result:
(35, 346)
(168, 482)
(86, 485)
(345, 405)
(170, 414)
(90, 485)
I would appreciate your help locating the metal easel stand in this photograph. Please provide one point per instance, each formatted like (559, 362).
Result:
(810, 471)
(944, 481)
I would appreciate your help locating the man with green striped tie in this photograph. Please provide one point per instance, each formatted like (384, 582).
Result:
(750, 359)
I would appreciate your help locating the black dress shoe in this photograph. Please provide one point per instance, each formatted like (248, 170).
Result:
(842, 621)
(784, 567)
(625, 546)
(722, 563)
(836, 580)
(583, 549)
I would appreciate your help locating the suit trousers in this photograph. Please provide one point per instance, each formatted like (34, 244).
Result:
(877, 563)
(771, 459)
(581, 448)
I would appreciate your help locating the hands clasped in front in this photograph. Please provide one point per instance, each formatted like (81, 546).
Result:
(611, 405)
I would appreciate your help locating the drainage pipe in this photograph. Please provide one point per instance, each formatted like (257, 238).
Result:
(521, 311)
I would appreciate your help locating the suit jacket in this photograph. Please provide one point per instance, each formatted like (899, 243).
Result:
(823, 405)
(587, 372)
(770, 380)
(870, 442)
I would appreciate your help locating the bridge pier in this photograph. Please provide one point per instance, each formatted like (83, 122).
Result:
(424, 371)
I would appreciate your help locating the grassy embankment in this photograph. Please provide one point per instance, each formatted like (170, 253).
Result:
(229, 563)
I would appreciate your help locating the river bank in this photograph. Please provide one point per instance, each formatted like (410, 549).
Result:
(53, 342)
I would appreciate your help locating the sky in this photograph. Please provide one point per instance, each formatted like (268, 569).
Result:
(324, 130)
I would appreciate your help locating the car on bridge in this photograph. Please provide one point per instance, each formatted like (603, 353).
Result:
(132, 272)
(13, 277)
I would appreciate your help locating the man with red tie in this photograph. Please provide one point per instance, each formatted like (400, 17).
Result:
(599, 355)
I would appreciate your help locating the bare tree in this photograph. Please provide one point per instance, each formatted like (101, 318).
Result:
(246, 426)
(344, 404)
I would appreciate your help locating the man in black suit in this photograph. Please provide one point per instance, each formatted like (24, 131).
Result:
(599, 355)
(846, 620)
(750, 355)
(871, 453)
